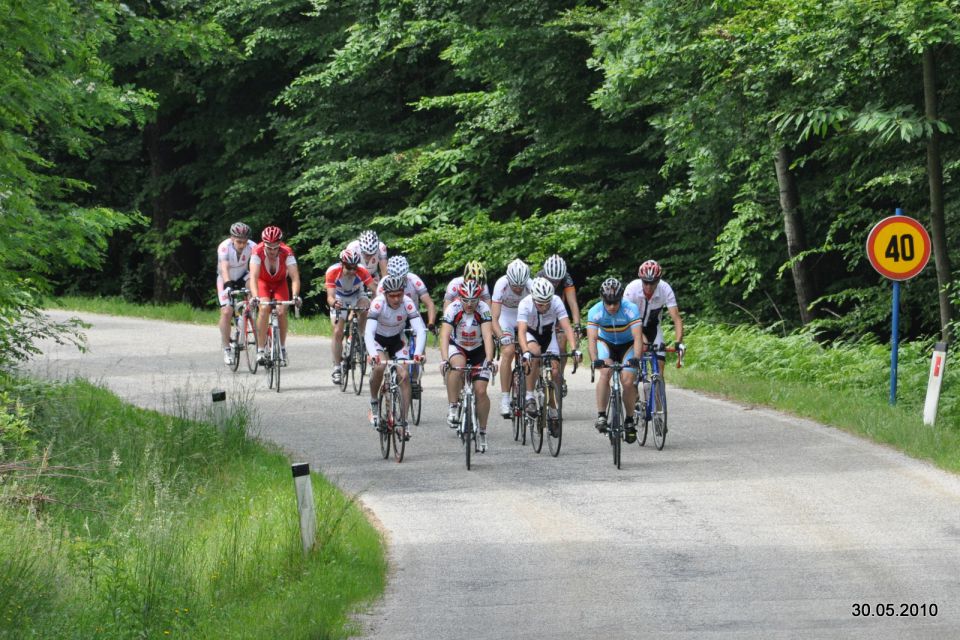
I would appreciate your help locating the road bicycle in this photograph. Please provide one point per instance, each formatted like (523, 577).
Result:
(354, 354)
(616, 429)
(468, 427)
(518, 391)
(244, 337)
(415, 371)
(273, 358)
(652, 399)
(389, 411)
(549, 405)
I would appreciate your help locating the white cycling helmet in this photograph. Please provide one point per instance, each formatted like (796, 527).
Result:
(369, 242)
(393, 284)
(518, 273)
(542, 290)
(397, 266)
(555, 268)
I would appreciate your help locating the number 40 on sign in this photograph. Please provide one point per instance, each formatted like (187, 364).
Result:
(898, 247)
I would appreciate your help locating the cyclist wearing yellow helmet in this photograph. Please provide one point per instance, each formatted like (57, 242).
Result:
(473, 270)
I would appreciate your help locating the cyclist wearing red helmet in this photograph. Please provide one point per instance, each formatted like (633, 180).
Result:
(345, 282)
(652, 294)
(271, 264)
(233, 272)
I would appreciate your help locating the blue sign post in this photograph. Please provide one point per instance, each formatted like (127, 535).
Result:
(895, 335)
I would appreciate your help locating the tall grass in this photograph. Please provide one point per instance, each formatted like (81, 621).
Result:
(844, 384)
(180, 530)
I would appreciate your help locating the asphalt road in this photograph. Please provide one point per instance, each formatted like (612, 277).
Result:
(749, 524)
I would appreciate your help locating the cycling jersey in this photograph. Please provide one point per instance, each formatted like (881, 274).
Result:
(614, 328)
(651, 308)
(413, 289)
(509, 302)
(466, 328)
(451, 293)
(385, 326)
(272, 282)
(345, 285)
(559, 285)
(238, 263)
(371, 262)
(541, 323)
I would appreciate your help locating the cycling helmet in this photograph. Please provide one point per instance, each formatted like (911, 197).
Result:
(271, 235)
(240, 230)
(542, 290)
(474, 270)
(469, 290)
(611, 290)
(369, 242)
(649, 271)
(349, 258)
(555, 268)
(392, 284)
(518, 273)
(397, 266)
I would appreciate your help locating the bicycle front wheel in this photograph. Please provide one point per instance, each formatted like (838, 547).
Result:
(643, 413)
(616, 446)
(468, 427)
(516, 406)
(555, 426)
(250, 343)
(615, 426)
(384, 424)
(537, 422)
(399, 433)
(416, 393)
(236, 344)
(346, 365)
(659, 413)
(270, 363)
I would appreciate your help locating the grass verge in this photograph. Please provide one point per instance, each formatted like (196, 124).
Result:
(116, 522)
(845, 385)
(314, 325)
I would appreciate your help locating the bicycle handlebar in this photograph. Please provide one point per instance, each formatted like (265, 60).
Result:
(650, 347)
(557, 356)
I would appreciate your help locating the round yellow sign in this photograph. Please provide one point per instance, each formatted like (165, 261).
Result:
(898, 247)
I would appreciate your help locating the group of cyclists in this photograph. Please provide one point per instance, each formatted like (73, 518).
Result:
(529, 315)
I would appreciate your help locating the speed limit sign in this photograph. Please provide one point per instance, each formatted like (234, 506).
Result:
(898, 247)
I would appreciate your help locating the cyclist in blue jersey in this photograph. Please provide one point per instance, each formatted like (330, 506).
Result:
(614, 334)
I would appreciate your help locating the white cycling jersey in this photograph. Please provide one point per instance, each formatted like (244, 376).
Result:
(413, 289)
(384, 320)
(651, 308)
(509, 303)
(451, 293)
(466, 332)
(371, 262)
(541, 323)
(238, 263)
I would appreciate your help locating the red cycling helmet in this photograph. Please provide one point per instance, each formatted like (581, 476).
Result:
(649, 271)
(349, 258)
(469, 290)
(271, 235)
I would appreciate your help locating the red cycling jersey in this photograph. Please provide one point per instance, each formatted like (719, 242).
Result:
(273, 285)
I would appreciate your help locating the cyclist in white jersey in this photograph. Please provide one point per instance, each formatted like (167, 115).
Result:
(651, 294)
(473, 270)
(509, 290)
(466, 338)
(537, 318)
(233, 272)
(388, 316)
(415, 289)
(372, 252)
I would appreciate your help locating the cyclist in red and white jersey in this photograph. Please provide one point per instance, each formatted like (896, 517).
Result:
(388, 316)
(509, 290)
(270, 265)
(345, 281)
(473, 270)
(538, 317)
(233, 272)
(652, 294)
(372, 252)
(466, 338)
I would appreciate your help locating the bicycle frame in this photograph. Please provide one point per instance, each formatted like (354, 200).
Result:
(391, 392)
(468, 408)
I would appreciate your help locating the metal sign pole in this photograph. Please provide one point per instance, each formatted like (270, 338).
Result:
(895, 335)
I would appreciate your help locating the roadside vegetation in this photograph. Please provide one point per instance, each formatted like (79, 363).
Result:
(116, 522)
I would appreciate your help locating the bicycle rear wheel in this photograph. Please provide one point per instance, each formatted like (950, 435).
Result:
(554, 434)
(399, 433)
(659, 413)
(250, 343)
(643, 413)
(384, 424)
(359, 361)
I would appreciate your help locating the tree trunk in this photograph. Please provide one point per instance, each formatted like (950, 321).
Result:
(161, 210)
(793, 226)
(938, 232)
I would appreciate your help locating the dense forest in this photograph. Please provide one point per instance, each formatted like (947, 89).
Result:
(747, 145)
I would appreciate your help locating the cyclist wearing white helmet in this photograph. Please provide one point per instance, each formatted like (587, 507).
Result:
(652, 294)
(389, 314)
(466, 338)
(555, 270)
(509, 290)
(538, 317)
(473, 270)
(372, 252)
(345, 281)
(233, 272)
(415, 287)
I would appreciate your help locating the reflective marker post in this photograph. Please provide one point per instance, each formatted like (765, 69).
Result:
(308, 518)
(937, 365)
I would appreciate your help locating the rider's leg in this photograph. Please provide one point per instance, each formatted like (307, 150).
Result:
(629, 378)
(263, 319)
(404, 390)
(282, 312)
(506, 365)
(483, 402)
(603, 390)
(455, 378)
(336, 345)
(226, 317)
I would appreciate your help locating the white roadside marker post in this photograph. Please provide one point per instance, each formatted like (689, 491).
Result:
(937, 364)
(308, 518)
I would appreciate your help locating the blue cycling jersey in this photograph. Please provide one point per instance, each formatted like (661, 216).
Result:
(614, 328)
